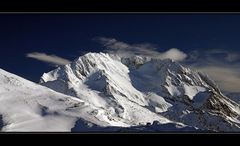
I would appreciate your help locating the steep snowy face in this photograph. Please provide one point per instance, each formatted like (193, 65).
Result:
(102, 81)
(26, 106)
(171, 79)
(98, 72)
(131, 88)
(29, 107)
(195, 99)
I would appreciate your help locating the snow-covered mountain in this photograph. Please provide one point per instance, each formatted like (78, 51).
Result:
(104, 92)
(27, 106)
(139, 90)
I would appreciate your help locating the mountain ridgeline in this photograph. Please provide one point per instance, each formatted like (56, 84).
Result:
(134, 91)
(102, 92)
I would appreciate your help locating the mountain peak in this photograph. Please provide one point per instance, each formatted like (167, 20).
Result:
(129, 87)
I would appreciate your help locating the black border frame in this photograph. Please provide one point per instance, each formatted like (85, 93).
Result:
(116, 7)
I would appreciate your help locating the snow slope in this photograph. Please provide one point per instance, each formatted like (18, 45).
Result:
(140, 90)
(27, 106)
(104, 83)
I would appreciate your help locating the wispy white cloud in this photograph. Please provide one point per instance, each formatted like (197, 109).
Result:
(227, 78)
(52, 59)
(232, 57)
(213, 56)
(174, 54)
(146, 49)
(221, 65)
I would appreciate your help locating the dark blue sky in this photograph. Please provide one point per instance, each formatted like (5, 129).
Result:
(68, 35)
